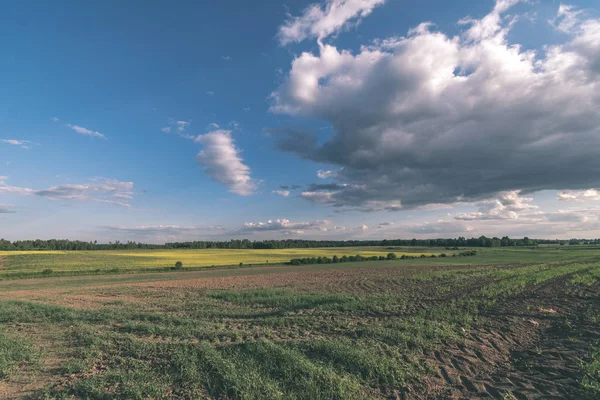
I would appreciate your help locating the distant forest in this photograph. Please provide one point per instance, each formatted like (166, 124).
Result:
(482, 241)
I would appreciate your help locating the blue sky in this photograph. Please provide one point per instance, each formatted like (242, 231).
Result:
(157, 122)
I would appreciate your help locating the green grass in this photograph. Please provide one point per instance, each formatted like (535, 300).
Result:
(289, 342)
(591, 368)
(15, 353)
(35, 264)
(24, 264)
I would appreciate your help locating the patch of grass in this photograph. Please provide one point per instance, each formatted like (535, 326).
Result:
(16, 353)
(591, 369)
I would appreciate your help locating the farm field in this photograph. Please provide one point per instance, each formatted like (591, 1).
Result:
(462, 327)
(28, 264)
(32, 263)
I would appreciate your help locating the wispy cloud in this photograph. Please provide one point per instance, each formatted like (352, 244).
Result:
(87, 132)
(182, 125)
(318, 22)
(14, 142)
(566, 18)
(222, 162)
(101, 190)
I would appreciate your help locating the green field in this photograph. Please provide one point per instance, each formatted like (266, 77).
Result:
(23, 264)
(33, 263)
(508, 323)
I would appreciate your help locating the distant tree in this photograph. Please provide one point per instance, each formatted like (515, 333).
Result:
(178, 265)
(391, 256)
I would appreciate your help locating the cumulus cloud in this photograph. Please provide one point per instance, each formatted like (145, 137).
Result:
(14, 142)
(322, 20)
(284, 193)
(507, 205)
(579, 195)
(166, 129)
(99, 190)
(286, 227)
(222, 162)
(430, 118)
(87, 132)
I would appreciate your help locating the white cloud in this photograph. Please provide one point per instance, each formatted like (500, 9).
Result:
(54, 119)
(210, 92)
(213, 126)
(431, 118)
(284, 193)
(23, 143)
(226, 58)
(99, 190)
(384, 225)
(508, 205)
(222, 162)
(579, 195)
(87, 132)
(286, 226)
(182, 125)
(166, 129)
(567, 18)
(323, 197)
(319, 21)
(363, 228)
(323, 174)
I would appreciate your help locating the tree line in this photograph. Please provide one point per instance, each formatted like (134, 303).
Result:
(482, 241)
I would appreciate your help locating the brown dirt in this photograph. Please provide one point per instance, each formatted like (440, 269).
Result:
(527, 352)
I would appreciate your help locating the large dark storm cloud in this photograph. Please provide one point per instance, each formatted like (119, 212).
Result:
(430, 118)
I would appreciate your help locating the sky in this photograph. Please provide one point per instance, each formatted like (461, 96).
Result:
(342, 119)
